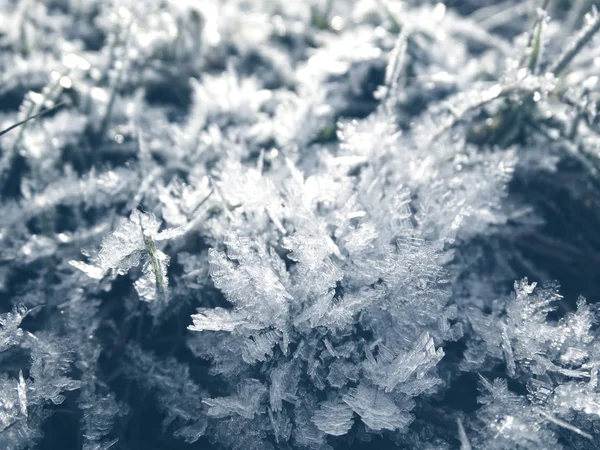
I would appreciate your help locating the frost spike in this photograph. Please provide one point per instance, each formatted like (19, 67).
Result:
(22, 390)
(462, 435)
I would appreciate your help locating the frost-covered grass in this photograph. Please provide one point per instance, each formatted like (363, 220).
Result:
(269, 224)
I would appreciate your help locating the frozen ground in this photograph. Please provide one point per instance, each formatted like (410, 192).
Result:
(294, 224)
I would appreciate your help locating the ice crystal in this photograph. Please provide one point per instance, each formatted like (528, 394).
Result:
(132, 243)
(333, 418)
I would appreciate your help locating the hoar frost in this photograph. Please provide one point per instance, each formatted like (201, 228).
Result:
(321, 205)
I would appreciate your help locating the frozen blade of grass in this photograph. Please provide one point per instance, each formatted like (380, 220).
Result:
(537, 45)
(576, 12)
(566, 425)
(152, 252)
(197, 217)
(462, 435)
(116, 81)
(49, 94)
(144, 186)
(34, 116)
(145, 159)
(395, 68)
(485, 97)
(154, 261)
(33, 105)
(108, 445)
(473, 31)
(494, 16)
(320, 19)
(584, 37)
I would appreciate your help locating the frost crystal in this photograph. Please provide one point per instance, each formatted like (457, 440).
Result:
(132, 243)
(376, 409)
(10, 333)
(246, 403)
(333, 418)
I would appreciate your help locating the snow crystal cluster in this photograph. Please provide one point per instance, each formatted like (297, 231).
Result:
(268, 224)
